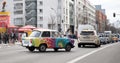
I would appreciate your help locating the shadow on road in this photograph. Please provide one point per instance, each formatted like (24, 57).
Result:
(50, 51)
(89, 46)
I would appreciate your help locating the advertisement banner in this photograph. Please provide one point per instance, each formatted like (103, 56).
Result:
(4, 21)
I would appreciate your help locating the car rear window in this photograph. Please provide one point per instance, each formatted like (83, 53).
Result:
(87, 33)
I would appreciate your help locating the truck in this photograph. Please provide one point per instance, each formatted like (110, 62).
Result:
(109, 35)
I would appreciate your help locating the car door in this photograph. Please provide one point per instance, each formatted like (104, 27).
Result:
(50, 41)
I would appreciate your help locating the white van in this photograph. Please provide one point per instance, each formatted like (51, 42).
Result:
(88, 37)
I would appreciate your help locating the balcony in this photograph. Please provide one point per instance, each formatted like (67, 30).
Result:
(31, 21)
(31, 6)
(31, 13)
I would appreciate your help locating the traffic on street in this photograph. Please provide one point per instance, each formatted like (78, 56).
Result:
(59, 31)
(108, 53)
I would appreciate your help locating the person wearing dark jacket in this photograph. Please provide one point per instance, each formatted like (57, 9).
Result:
(0, 38)
(6, 38)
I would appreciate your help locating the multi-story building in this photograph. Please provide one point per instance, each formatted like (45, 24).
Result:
(30, 12)
(18, 12)
(85, 13)
(16, 9)
(101, 18)
(51, 14)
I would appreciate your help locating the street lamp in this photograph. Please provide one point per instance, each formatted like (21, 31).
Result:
(56, 17)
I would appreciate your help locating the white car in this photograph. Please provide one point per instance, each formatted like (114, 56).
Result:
(103, 39)
(88, 37)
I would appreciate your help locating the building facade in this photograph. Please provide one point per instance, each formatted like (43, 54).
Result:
(18, 12)
(59, 15)
(101, 18)
(85, 13)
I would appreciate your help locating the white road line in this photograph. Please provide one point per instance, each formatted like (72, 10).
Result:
(83, 56)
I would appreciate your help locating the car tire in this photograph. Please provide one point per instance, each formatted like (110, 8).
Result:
(31, 49)
(83, 45)
(97, 45)
(68, 47)
(42, 48)
(55, 49)
(79, 45)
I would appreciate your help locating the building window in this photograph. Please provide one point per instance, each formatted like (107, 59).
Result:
(41, 25)
(18, 6)
(18, 21)
(41, 3)
(17, 0)
(78, 2)
(41, 18)
(18, 12)
(41, 10)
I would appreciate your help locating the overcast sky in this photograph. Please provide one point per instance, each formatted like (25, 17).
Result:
(111, 6)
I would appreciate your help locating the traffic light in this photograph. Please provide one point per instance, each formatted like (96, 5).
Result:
(114, 15)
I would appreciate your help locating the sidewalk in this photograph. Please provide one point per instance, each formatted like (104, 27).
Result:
(9, 44)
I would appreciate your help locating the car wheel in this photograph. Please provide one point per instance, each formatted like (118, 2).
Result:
(56, 49)
(31, 49)
(42, 48)
(83, 45)
(68, 47)
(79, 45)
(97, 45)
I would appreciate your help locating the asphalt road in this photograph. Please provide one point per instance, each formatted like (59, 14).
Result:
(109, 53)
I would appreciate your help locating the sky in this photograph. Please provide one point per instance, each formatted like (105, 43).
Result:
(111, 6)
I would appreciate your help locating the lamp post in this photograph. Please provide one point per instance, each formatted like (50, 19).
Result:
(56, 17)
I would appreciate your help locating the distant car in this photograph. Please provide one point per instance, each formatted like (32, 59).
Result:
(103, 39)
(114, 38)
(88, 37)
(41, 39)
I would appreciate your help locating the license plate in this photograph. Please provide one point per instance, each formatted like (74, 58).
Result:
(86, 37)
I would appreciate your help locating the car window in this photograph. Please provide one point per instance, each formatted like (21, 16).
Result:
(46, 34)
(87, 33)
(35, 34)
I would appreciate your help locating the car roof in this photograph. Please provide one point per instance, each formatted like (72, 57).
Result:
(42, 29)
(88, 30)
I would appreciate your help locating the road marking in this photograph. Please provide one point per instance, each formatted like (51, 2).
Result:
(83, 56)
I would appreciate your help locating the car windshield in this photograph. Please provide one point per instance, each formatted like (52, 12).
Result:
(87, 33)
(35, 34)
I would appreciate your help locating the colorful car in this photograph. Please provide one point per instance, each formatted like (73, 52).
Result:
(44, 38)
(114, 38)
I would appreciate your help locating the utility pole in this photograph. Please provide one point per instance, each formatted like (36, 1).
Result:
(85, 13)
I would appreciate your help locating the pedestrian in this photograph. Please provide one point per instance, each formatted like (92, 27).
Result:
(4, 37)
(12, 37)
(0, 38)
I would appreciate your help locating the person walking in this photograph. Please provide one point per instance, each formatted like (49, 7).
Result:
(13, 37)
(0, 39)
(6, 38)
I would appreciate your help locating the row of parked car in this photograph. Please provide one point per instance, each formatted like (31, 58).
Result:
(108, 38)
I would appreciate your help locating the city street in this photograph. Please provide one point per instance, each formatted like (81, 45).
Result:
(109, 53)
